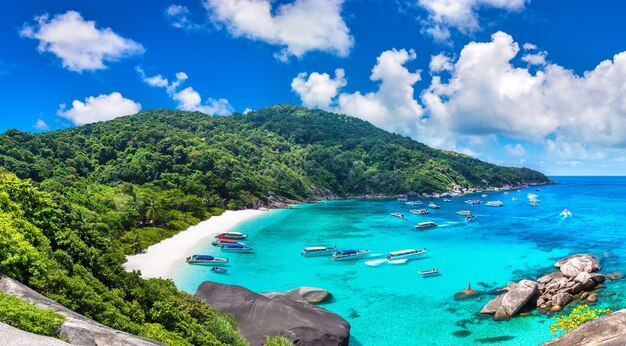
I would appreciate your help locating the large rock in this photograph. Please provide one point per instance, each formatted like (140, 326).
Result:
(510, 302)
(573, 265)
(77, 329)
(310, 295)
(259, 316)
(17, 337)
(562, 299)
(609, 330)
(518, 295)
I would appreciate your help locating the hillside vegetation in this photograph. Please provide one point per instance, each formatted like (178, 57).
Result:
(74, 202)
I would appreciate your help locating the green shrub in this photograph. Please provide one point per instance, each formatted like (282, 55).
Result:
(23, 315)
(277, 340)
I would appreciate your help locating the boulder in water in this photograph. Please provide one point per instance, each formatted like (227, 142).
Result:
(310, 295)
(573, 265)
(609, 330)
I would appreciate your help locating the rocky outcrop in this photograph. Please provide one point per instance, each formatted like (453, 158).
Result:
(552, 291)
(609, 330)
(310, 295)
(573, 265)
(259, 316)
(77, 329)
(17, 337)
(509, 303)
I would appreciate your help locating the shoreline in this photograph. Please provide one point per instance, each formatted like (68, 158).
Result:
(158, 260)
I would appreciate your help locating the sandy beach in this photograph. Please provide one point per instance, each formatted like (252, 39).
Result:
(158, 259)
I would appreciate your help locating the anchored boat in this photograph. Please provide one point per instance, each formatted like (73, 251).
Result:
(433, 206)
(206, 259)
(345, 255)
(398, 215)
(419, 211)
(224, 241)
(426, 225)
(405, 254)
(219, 270)
(494, 204)
(318, 251)
(232, 235)
(473, 201)
(243, 248)
(429, 272)
(464, 212)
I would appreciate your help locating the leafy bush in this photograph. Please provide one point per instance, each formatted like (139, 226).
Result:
(277, 340)
(578, 316)
(23, 315)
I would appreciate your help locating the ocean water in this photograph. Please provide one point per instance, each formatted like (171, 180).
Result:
(391, 304)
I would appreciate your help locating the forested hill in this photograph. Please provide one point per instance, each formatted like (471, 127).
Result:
(74, 202)
(232, 161)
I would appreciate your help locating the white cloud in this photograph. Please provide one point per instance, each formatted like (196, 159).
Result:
(529, 46)
(460, 14)
(535, 59)
(391, 107)
(178, 16)
(515, 150)
(79, 44)
(299, 27)
(41, 125)
(187, 99)
(319, 89)
(440, 62)
(99, 108)
(573, 115)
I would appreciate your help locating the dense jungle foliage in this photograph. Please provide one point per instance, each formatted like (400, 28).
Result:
(74, 202)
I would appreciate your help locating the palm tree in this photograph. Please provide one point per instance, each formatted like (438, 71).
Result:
(152, 212)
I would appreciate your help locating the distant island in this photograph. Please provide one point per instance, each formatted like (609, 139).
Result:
(74, 202)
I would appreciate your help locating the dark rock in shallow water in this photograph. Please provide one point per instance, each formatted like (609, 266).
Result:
(258, 316)
(461, 333)
(609, 330)
(310, 295)
(494, 339)
(466, 293)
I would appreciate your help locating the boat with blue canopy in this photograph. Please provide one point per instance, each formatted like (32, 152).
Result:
(207, 259)
(344, 255)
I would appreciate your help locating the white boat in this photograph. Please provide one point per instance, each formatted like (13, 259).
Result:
(506, 192)
(429, 272)
(345, 255)
(447, 200)
(469, 218)
(241, 248)
(398, 215)
(566, 213)
(464, 212)
(494, 204)
(484, 195)
(224, 241)
(426, 225)
(514, 198)
(531, 196)
(232, 235)
(433, 206)
(413, 203)
(208, 260)
(405, 254)
(419, 211)
(473, 201)
(318, 251)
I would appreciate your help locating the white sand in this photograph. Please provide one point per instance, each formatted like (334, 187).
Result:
(158, 260)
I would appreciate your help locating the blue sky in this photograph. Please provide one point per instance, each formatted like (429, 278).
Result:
(524, 83)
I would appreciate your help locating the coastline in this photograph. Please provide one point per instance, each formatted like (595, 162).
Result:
(158, 260)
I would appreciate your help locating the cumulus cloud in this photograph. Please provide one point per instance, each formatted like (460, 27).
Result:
(571, 114)
(99, 108)
(187, 99)
(392, 107)
(515, 150)
(440, 62)
(298, 27)
(79, 44)
(460, 14)
(535, 59)
(178, 16)
(41, 125)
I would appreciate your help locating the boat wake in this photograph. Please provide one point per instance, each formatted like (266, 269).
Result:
(398, 261)
(375, 263)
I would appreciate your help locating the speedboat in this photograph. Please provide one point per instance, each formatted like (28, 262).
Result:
(426, 225)
(243, 248)
(345, 255)
(318, 251)
(464, 212)
(484, 195)
(447, 200)
(232, 235)
(566, 213)
(433, 206)
(469, 218)
(414, 203)
(206, 259)
(223, 241)
(219, 270)
(494, 204)
(429, 272)
(398, 215)
(514, 198)
(473, 201)
(405, 254)
(419, 211)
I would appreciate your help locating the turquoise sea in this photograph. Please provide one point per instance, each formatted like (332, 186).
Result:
(393, 305)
